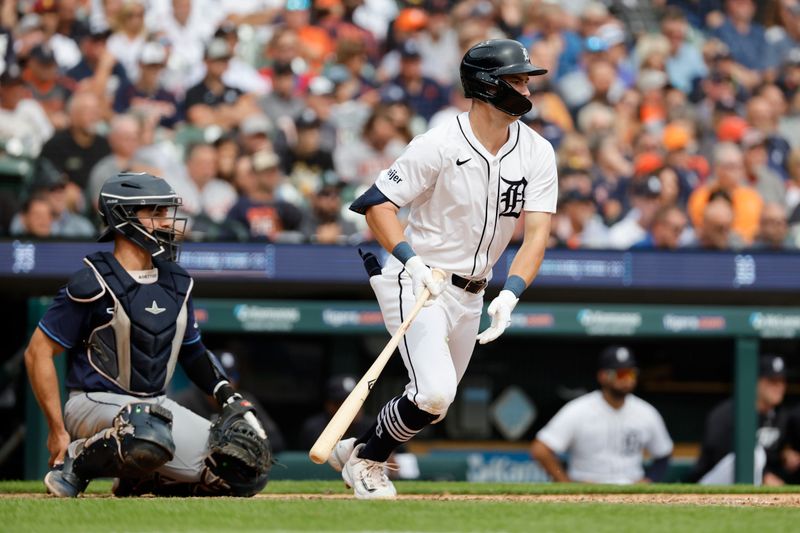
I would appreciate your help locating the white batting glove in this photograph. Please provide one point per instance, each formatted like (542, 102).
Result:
(500, 312)
(422, 277)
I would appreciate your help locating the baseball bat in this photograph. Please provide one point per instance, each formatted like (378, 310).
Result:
(347, 411)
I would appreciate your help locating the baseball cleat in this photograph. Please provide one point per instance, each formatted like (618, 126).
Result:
(367, 478)
(341, 453)
(62, 482)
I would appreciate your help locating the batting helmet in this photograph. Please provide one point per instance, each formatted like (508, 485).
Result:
(483, 67)
(124, 195)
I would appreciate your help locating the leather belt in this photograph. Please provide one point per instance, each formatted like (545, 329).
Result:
(470, 285)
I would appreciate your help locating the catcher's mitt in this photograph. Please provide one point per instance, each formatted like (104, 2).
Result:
(238, 454)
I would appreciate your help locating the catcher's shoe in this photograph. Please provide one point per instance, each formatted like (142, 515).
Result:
(341, 453)
(367, 478)
(61, 481)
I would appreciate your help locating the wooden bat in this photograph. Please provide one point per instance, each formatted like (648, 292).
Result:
(347, 411)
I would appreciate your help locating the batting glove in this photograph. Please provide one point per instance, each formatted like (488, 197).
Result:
(500, 312)
(422, 277)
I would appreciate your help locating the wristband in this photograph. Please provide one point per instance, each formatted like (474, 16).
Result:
(222, 392)
(403, 252)
(515, 284)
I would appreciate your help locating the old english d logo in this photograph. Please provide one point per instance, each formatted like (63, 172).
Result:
(513, 196)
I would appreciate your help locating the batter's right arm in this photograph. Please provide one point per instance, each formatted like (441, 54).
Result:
(382, 220)
(44, 382)
(551, 464)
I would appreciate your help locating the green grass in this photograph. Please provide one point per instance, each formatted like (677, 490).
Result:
(457, 487)
(218, 515)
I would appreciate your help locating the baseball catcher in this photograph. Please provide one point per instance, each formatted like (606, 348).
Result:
(126, 320)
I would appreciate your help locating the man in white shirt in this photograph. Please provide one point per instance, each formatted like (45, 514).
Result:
(605, 431)
(466, 183)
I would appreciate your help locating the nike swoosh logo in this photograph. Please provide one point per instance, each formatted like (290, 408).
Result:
(459, 162)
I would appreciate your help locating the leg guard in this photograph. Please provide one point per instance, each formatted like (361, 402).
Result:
(139, 442)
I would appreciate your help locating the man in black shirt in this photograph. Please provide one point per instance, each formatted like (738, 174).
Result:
(211, 102)
(76, 149)
(716, 463)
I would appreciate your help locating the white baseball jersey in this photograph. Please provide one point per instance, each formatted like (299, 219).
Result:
(605, 444)
(464, 201)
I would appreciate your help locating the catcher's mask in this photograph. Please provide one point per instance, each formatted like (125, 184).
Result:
(137, 205)
(484, 65)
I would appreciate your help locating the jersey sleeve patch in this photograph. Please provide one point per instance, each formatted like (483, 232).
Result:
(84, 286)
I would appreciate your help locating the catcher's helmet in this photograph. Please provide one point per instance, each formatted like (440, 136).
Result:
(123, 195)
(482, 68)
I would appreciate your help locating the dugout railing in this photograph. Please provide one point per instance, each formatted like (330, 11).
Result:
(745, 326)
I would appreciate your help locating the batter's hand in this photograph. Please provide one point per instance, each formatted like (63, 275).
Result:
(57, 442)
(422, 277)
(500, 312)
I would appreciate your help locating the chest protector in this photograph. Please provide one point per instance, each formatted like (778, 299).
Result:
(138, 348)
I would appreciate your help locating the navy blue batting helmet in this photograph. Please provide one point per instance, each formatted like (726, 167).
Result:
(484, 65)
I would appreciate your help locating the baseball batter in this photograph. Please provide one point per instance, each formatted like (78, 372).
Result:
(606, 431)
(467, 183)
(126, 320)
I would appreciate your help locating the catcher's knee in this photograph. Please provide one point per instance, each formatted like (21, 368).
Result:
(144, 432)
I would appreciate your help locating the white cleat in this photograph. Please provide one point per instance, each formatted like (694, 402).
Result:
(367, 478)
(341, 453)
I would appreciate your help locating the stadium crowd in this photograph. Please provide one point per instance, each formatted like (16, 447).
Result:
(676, 122)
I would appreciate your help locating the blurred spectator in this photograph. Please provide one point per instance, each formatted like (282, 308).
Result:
(77, 148)
(240, 74)
(255, 133)
(669, 224)
(763, 117)
(793, 185)
(323, 223)
(211, 102)
(65, 49)
(716, 233)
(306, 163)
(578, 224)
(320, 100)
(147, 96)
(645, 199)
(210, 195)
(206, 406)
(729, 177)
(282, 103)
(46, 84)
(773, 231)
(715, 466)
(337, 388)
(552, 28)
(606, 432)
(98, 64)
(185, 28)
(35, 219)
(685, 62)
(258, 208)
(123, 138)
(129, 36)
(438, 45)
(744, 37)
(611, 174)
(359, 162)
(424, 95)
(51, 184)
(760, 176)
(21, 117)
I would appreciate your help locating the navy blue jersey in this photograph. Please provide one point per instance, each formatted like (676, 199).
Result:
(70, 323)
